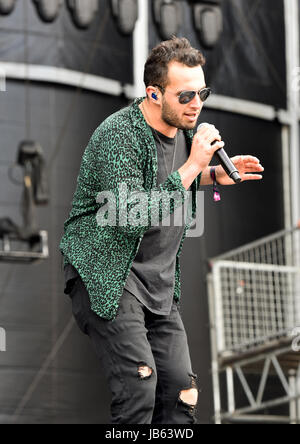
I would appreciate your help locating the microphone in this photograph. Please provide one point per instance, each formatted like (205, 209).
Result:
(225, 161)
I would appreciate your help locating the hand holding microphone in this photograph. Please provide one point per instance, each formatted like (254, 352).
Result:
(207, 142)
(210, 135)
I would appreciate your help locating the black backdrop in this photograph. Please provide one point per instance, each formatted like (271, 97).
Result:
(248, 62)
(49, 373)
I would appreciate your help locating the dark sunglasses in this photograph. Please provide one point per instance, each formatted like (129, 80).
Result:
(187, 96)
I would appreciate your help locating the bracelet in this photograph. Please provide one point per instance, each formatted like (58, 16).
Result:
(217, 195)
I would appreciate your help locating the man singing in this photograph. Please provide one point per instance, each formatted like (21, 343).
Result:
(124, 279)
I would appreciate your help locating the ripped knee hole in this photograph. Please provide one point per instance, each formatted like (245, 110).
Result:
(189, 397)
(145, 372)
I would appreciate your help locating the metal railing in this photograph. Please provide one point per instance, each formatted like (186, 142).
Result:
(254, 306)
(256, 292)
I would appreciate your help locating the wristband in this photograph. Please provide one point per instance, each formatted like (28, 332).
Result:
(217, 195)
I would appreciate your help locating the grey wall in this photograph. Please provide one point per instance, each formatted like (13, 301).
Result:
(100, 49)
(34, 311)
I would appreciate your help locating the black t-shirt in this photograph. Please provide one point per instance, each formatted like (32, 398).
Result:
(152, 276)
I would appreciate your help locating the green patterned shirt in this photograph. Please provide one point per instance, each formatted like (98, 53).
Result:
(122, 150)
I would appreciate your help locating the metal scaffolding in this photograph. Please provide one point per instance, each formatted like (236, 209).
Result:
(254, 302)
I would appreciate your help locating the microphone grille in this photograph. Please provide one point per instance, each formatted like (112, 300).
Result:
(202, 125)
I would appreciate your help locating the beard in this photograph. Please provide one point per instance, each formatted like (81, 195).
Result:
(170, 117)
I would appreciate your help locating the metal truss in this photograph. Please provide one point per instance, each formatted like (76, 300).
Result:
(281, 362)
(254, 306)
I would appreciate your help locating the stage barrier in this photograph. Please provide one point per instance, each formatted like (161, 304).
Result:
(254, 304)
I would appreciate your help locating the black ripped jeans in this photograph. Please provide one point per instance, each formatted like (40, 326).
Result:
(138, 338)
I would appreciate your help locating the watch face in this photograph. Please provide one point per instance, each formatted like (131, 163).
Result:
(48, 9)
(6, 6)
(83, 11)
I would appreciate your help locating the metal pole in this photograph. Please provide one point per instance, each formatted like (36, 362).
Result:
(230, 390)
(291, 15)
(293, 402)
(214, 352)
(285, 147)
(140, 47)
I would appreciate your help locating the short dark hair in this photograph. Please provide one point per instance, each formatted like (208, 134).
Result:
(173, 50)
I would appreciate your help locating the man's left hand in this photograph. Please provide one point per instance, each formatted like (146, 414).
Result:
(249, 168)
